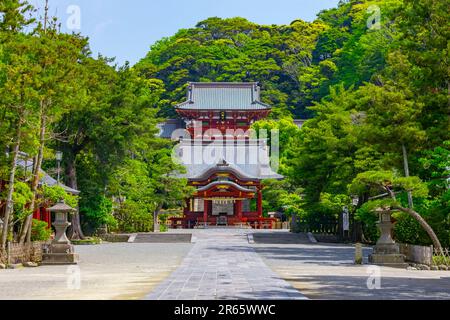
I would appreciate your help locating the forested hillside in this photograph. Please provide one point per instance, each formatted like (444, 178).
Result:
(295, 64)
(55, 96)
(372, 77)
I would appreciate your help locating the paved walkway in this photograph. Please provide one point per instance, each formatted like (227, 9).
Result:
(222, 265)
(327, 271)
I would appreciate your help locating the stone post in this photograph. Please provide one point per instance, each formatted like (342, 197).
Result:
(358, 253)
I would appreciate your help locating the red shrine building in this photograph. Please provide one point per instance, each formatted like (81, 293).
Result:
(26, 164)
(224, 161)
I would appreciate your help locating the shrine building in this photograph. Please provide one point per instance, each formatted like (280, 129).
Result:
(224, 161)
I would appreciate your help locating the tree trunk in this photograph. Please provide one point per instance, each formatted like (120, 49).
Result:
(155, 219)
(75, 232)
(26, 230)
(406, 167)
(12, 177)
(424, 225)
(416, 216)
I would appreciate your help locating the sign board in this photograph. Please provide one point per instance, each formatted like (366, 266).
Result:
(345, 219)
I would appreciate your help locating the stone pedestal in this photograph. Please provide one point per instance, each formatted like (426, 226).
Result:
(387, 252)
(60, 254)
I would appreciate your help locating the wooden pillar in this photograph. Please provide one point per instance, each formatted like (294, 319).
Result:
(37, 214)
(188, 207)
(239, 209)
(48, 217)
(205, 211)
(259, 204)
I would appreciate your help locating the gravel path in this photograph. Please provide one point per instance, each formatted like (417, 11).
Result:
(107, 271)
(222, 265)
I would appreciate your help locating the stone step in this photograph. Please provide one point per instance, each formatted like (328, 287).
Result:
(162, 238)
(280, 238)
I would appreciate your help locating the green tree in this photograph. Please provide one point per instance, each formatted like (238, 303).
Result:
(17, 92)
(388, 182)
(56, 55)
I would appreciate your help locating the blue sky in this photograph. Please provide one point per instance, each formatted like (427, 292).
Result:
(127, 29)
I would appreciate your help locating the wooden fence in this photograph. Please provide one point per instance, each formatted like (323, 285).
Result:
(322, 226)
(329, 229)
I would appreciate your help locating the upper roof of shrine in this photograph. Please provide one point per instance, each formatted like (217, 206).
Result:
(244, 172)
(223, 96)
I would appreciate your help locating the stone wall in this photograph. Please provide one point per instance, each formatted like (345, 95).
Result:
(417, 254)
(23, 253)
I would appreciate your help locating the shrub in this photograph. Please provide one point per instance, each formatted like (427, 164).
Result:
(369, 223)
(441, 260)
(40, 231)
(98, 213)
(408, 230)
(88, 241)
(163, 228)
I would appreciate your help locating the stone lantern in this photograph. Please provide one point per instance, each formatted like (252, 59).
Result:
(61, 251)
(386, 251)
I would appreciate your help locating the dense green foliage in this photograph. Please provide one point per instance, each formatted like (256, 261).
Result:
(374, 85)
(280, 57)
(39, 231)
(371, 76)
(364, 127)
(56, 96)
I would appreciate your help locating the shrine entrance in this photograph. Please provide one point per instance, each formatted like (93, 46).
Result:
(223, 161)
(223, 208)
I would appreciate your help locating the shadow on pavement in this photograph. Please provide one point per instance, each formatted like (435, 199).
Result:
(355, 288)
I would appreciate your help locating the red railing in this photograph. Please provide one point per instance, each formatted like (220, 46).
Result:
(254, 222)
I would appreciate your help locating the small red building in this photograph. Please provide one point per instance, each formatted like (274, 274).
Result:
(26, 164)
(224, 161)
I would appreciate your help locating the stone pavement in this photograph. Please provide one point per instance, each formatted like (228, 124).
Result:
(222, 265)
(327, 271)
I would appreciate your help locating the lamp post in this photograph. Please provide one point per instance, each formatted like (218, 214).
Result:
(386, 251)
(59, 156)
(61, 249)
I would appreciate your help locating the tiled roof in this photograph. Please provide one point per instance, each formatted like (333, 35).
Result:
(223, 96)
(46, 178)
(227, 183)
(169, 126)
(195, 172)
(248, 160)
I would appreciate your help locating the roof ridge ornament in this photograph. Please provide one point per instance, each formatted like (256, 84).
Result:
(223, 163)
(231, 96)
